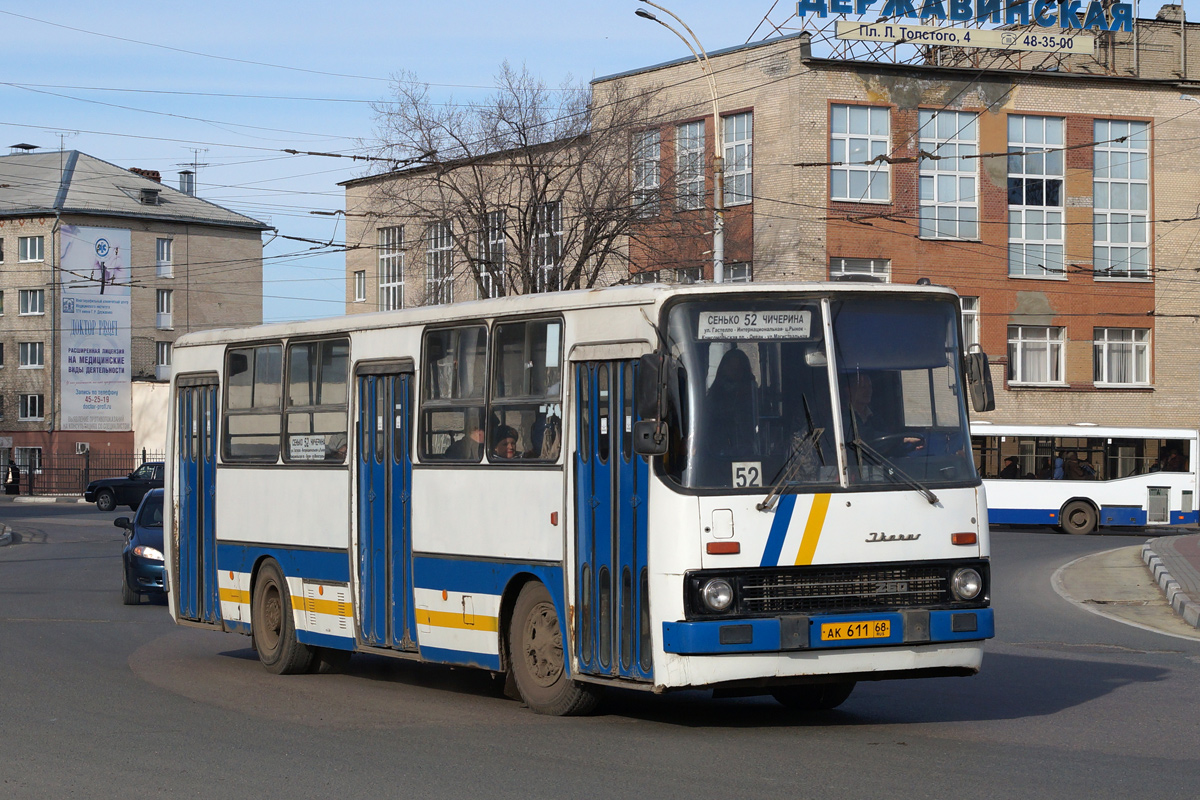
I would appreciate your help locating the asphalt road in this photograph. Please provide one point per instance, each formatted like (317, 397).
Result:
(103, 700)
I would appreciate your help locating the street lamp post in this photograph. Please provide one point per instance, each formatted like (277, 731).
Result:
(701, 56)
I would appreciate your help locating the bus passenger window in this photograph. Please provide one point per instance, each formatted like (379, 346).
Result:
(254, 376)
(453, 379)
(526, 392)
(317, 401)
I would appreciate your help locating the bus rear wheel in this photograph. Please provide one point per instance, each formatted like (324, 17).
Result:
(273, 627)
(1078, 517)
(814, 697)
(537, 659)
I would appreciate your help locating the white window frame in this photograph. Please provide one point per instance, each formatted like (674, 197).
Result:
(360, 286)
(163, 302)
(874, 267)
(689, 166)
(493, 255)
(164, 257)
(30, 249)
(1131, 346)
(948, 192)
(547, 247)
(1036, 243)
(858, 134)
(647, 153)
(1024, 344)
(31, 302)
(1121, 200)
(31, 355)
(162, 354)
(972, 328)
(739, 272)
(391, 268)
(738, 146)
(439, 263)
(29, 459)
(31, 403)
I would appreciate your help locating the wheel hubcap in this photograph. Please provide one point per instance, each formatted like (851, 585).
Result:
(541, 644)
(272, 617)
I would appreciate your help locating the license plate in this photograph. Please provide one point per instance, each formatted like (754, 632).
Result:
(854, 631)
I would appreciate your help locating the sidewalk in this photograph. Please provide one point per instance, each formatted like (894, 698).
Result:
(26, 498)
(1174, 561)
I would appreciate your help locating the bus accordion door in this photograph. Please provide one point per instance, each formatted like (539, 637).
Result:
(196, 420)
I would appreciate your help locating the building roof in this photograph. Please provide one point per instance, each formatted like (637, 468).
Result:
(71, 182)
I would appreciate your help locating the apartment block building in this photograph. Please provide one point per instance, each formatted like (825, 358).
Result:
(101, 269)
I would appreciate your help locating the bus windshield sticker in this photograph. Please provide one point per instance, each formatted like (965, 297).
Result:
(306, 448)
(747, 473)
(793, 324)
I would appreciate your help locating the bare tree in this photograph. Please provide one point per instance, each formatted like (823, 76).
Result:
(529, 190)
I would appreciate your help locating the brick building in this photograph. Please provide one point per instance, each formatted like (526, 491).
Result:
(182, 254)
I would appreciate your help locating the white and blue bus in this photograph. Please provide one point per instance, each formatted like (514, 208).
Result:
(1083, 477)
(758, 489)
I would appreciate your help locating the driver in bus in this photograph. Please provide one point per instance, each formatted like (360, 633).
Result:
(865, 424)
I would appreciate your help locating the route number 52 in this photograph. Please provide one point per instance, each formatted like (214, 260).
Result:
(747, 473)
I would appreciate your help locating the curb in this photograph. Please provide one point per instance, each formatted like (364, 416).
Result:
(1184, 605)
(44, 500)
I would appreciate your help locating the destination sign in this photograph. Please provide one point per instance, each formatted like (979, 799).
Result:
(754, 325)
(1087, 15)
(1025, 41)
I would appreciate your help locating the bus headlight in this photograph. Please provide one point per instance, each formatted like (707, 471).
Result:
(717, 594)
(966, 584)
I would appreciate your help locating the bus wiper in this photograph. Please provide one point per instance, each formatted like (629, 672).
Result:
(808, 443)
(892, 469)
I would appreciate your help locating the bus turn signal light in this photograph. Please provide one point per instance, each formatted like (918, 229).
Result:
(723, 548)
(964, 538)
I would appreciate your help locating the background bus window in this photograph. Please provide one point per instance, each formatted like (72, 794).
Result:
(254, 376)
(453, 377)
(527, 390)
(316, 402)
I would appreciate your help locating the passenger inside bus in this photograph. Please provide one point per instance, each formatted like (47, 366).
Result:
(504, 442)
(732, 404)
(470, 446)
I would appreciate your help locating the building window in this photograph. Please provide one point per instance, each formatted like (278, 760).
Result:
(493, 255)
(1, 250)
(878, 269)
(32, 355)
(1, 303)
(739, 272)
(1121, 356)
(948, 188)
(1035, 196)
(689, 166)
(970, 321)
(32, 301)
(1121, 199)
(29, 459)
(439, 261)
(739, 158)
(391, 268)
(646, 151)
(31, 408)
(1035, 354)
(162, 301)
(649, 276)
(163, 258)
(360, 286)
(547, 247)
(859, 134)
(29, 248)
(162, 354)
(1, 354)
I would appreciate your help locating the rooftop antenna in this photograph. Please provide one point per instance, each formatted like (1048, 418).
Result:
(195, 165)
(62, 143)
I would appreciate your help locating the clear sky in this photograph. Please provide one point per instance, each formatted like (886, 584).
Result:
(143, 84)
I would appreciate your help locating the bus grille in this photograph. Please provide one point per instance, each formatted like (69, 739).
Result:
(843, 589)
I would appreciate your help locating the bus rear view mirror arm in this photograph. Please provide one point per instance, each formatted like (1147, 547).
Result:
(979, 380)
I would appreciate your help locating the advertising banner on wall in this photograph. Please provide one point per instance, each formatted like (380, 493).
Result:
(94, 361)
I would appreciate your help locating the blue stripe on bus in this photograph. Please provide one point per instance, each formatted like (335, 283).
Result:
(332, 566)
(481, 577)
(779, 529)
(764, 635)
(465, 658)
(1023, 516)
(1122, 515)
(325, 640)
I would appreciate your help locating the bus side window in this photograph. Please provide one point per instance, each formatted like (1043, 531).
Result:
(317, 401)
(453, 396)
(526, 392)
(254, 380)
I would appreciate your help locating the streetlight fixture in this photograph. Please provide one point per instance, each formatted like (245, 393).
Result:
(701, 56)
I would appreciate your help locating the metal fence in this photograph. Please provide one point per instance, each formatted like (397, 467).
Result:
(64, 474)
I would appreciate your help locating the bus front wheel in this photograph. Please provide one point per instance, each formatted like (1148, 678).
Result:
(272, 626)
(1078, 517)
(537, 659)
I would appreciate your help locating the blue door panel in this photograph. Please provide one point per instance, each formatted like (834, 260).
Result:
(196, 415)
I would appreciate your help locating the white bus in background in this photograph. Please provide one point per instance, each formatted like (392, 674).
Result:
(649, 487)
(1084, 477)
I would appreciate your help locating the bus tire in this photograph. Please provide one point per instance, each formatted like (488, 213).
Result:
(538, 661)
(273, 627)
(814, 697)
(1078, 517)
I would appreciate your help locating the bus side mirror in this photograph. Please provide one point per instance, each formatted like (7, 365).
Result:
(649, 379)
(650, 437)
(979, 381)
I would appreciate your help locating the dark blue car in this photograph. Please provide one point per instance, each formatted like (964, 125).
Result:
(143, 556)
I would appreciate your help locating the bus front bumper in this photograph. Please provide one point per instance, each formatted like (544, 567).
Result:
(824, 632)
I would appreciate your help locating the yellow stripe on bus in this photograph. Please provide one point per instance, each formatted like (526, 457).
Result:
(455, 619)
(812, 530)
(312, 605)
(235, 596)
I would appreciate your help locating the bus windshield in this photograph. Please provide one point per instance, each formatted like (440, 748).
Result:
(754, 393)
